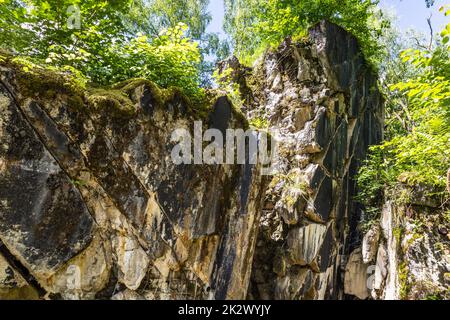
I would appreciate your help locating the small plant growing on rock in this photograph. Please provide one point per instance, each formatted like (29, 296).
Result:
(224, 81)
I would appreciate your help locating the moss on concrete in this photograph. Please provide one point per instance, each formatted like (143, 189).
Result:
(404, 280)
(39, 82)
(114, 102)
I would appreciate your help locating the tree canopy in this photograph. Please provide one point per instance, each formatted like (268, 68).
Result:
(110, 41)
(417, 146)
(255, 25)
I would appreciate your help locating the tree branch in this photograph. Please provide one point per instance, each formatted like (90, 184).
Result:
(431, 32)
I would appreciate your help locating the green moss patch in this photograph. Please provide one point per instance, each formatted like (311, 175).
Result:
(112, 102)
(115, 101)
(39, 82)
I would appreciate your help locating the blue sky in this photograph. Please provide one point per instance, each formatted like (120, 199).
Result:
(410, 13)
(217, 11)
(414, 14)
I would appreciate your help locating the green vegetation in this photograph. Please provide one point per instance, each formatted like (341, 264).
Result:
(417, 149)
(105, 41)
(165, 41)
(404, 281)
(434, 296)
(255, 25)
(259, 123)
(398, 233)
(224, 81)
(151, 16)
(97, 53)
(45, 81)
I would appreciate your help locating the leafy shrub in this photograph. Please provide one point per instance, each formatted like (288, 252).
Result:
(170, 60)
(421, 153)
(257, 24)
(104, 47)
(224, 80)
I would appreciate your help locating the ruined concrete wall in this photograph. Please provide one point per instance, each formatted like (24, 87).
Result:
(323, 98)
(92, 206)
(405, 254)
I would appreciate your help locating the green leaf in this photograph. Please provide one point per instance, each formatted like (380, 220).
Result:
(45, 6)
